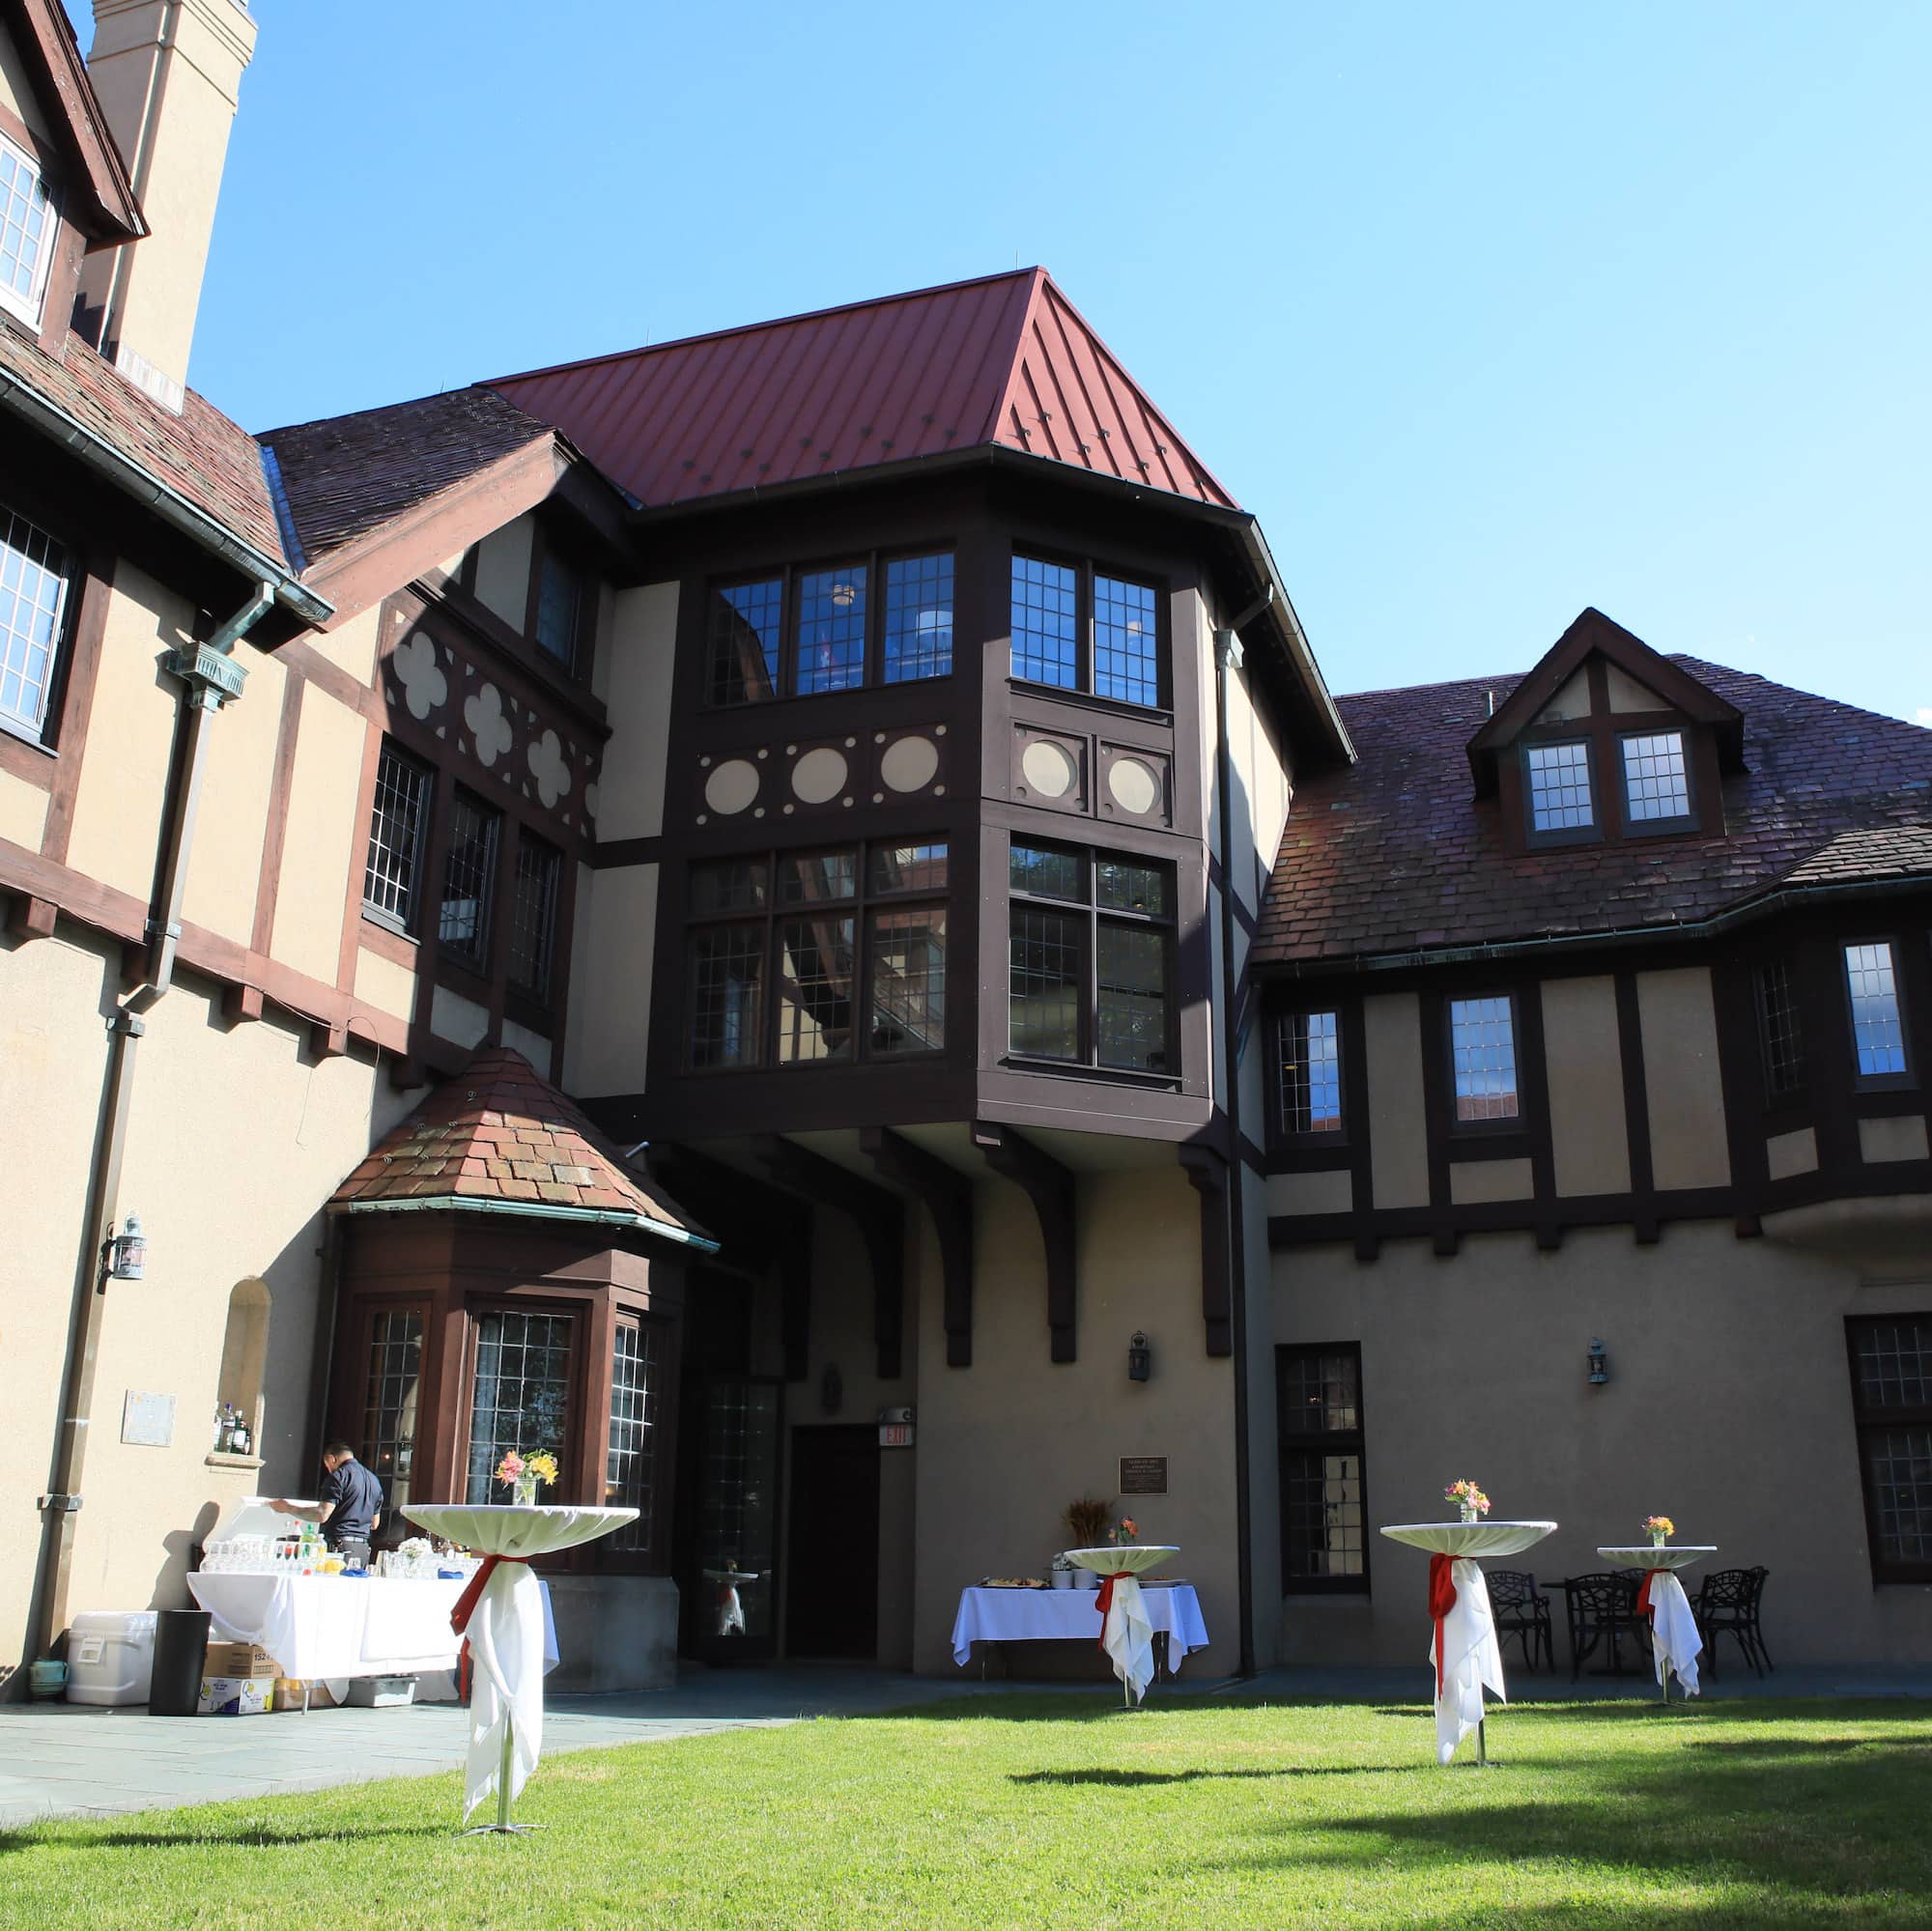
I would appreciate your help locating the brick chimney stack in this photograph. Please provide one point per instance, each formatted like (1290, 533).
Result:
(169, 74)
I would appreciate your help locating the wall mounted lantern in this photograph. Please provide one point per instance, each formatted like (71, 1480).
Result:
(125, 1256)
(1600, 1367)
(1140, 1357)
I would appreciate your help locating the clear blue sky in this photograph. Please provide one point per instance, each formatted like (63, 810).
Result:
(1487, 311)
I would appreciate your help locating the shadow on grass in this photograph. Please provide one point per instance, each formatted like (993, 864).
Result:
(1134, 1779)
(239, 1835)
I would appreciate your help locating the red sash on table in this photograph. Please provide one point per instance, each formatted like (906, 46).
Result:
(466, 1607)
(1105, 1599)
(1644, 1605)
(1442, 1600)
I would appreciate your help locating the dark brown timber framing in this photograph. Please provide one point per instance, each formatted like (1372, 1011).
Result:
(949, 1199)
(1050, 1187)
(881, 1220)
(1208, 1173)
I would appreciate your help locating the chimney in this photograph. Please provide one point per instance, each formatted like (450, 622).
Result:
(167, 72)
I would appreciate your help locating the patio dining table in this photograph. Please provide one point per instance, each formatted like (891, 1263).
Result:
(1674, 1641)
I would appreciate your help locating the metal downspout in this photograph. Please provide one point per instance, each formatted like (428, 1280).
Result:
(205, 688)
(1227, 661)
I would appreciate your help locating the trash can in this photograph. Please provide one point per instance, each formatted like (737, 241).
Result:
(181, 1643)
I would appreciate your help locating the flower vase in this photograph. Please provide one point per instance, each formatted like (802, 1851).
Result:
(1657, 1537)
(527, 1491)
(1470, 1514)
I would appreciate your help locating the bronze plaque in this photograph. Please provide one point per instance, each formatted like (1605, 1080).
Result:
(1142, 1474)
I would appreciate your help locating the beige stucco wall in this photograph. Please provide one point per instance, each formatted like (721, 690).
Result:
(1587, 1128)
(1473, 1182)
(610, 994)
(323, 839)
(353, 646)
(1330, 1192)
(23, 812)
(503, 571)
(1399, 1144)
(124, 769)
(1626, 694)
(635, 669)
(1901, 1137)
(385, 985)
(1006, 1444)
(1683, 1086)
(225, 862)
(1793, 1153)
(1728, 1408)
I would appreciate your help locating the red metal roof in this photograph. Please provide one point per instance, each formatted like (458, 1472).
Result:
(1004, 360)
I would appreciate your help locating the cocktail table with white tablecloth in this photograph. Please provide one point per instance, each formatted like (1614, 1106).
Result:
(1070, 1615)
(1463, 1649)
(1674, 1640)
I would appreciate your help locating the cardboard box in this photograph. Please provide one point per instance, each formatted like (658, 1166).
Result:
(238, 1659)
(289, 1694)
(235, 1696)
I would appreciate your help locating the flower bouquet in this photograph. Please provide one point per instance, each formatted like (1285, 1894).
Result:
(523, 1472)
(1659, 1528)
(1469, 1500)
(1128, 1530)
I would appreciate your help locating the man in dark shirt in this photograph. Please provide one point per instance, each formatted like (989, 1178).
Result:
(351, 1503)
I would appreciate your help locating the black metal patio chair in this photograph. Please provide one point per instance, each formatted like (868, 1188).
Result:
(1521, 1611)
(1727, 1604)
(1600, 1608)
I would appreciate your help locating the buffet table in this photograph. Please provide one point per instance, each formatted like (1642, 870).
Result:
(1072, 1615)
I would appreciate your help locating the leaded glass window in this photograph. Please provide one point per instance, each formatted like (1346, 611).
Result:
(1891, 1405)
(1657, 784)
(1323, 1497)
(1310, 1073)
(32, 597)
(534, 915)
(519, 1397)
(630, 1458)
(908, 964)
(1877, 1030)
(397, 823)
(389, 1407)
(747, 631)
(27, 233)
(919, 617)
(1127, 656)
(1559, 788)
(831, 630)
(560, 608)
(727, 976)
(1482, 1038)
(1779, 1032)
(1045, 623)
(468, 880)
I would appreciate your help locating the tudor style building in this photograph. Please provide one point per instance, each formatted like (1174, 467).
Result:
(726, 891)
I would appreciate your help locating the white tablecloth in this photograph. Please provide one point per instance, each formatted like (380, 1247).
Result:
(506, 1628)
(332, 1627)
(1068, 1615)
(1127, 1633)
(1674, 1641)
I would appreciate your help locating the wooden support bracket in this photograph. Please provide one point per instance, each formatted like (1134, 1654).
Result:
(949, 1198)
(1050, 1187)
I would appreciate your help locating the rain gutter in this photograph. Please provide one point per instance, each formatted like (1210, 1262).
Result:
(589, 1216)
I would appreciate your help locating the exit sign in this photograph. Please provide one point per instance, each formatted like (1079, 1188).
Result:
(896, 1433)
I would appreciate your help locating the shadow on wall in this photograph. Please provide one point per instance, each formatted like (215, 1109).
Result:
(170, 1590)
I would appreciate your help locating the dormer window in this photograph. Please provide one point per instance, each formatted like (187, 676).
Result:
(1657, 782)
(27, 233)
(1557, 781)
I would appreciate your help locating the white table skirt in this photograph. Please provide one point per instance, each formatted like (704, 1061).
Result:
(1070, 1615)
(331, 1628)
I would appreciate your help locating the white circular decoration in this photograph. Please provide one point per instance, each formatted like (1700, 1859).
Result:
(911, 764)
(731, 786)
(819, 775)
(1135, 786)
(1049, 768)
(483, 713)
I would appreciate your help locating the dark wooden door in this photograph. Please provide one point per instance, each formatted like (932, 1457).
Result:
(832, 1595)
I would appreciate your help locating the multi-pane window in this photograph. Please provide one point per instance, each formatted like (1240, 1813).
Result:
(806, 631)
(1318, 1428)
(533, 897)
(1310, 1073)
(27, 233)
(396, 827)
(1078, 628)
(1878, 1032)
(1892, 1408)
(630, 1458)
(521, 1395)
(1481, 1046)
(32, 595)
(1780, 1036)
(1091, 958)
(1657, 786)
(468, 880)
(851, 940)
(560, 608)
(919, 617)
(1559, 788)
(389, 1407)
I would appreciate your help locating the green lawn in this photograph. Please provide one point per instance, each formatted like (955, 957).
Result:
(1049, 1810)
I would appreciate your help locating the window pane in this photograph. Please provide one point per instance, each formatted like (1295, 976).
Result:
(1655, 785)
(814, 990)
(732, 885)
(1779, 1031)
(908, 955)
(1131, 1029)
(395, 834)
(1898, 1478)
(1319, 1392)
(726, 996)
(746, 625)
(1126, 887)
(559, 597)
(811, 878)
(919, 617)
(1321, 1513)
(896, 869)
(1046, 873)
(32, 589)
(534, 915)
(1559, 787)
(1875, 1025)
(521, 1397)
(1044, 981)
(469, 879)
(1482, 1041)
(630, 1460)
(388, 1442)
(23, 225)
(831, 630)
(1893, 1362)
(1044, 643)
(1310, 1073)
(1125, 663)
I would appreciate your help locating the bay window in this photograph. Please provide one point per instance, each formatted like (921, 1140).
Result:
(1076, 628)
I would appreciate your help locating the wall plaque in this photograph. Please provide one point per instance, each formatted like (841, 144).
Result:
(148, 1420)
(1142, 1474)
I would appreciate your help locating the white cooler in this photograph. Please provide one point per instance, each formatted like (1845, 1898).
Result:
(110, 1656)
